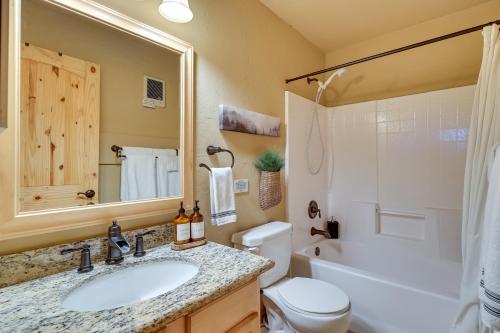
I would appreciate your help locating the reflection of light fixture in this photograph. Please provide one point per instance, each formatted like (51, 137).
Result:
(177, 11)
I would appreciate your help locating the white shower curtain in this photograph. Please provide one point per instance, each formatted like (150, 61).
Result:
(483, 134)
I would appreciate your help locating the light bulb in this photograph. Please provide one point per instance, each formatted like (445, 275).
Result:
(177, 11)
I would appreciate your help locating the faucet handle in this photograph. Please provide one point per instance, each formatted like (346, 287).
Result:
(145, 233)
(313, 209)
(66, 251)
(139, 243)
(85, 261)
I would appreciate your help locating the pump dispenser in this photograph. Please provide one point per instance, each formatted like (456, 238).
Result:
(182, 230)
(197, 224)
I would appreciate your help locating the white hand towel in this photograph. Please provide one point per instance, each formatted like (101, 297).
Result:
(167, 172)
(173, 184)
(137, 174)
(222, 196)
(489, 289)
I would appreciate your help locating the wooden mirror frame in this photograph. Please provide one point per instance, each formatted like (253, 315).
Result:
(17, 225)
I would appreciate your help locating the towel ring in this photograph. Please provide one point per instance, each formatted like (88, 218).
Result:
(212, 150)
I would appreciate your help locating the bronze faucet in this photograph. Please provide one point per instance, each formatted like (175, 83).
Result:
(117, 245)
(325, 233)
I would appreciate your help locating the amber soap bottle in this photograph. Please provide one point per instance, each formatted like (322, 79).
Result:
(182, 231)
(197, 224)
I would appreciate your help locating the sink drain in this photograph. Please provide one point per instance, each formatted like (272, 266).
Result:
(317, 251)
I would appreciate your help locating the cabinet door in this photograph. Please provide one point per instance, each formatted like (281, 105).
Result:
(226, 314)
(248, 325)
(59, 130)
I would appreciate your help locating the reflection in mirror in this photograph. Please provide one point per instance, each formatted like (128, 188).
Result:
(85, 88)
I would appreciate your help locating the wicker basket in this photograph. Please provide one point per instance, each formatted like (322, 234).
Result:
(269, 189)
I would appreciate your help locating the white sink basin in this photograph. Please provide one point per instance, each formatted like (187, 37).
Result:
(130, 285)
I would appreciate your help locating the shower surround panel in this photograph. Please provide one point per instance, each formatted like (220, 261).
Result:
(404, 157)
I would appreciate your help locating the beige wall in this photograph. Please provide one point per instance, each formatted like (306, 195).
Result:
(124, 60)
(3, 63)
(446, 64)
(243, 54)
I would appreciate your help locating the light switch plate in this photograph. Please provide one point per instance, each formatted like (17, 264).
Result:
(240, 185)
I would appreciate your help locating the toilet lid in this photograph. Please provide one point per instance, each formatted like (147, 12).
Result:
(313, 296)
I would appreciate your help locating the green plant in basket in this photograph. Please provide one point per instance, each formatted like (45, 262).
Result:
(269, 161)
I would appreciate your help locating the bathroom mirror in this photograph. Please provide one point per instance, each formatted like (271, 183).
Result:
(99, 113)
(100, 119)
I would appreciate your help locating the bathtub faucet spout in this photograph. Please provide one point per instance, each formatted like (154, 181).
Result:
(325, 233)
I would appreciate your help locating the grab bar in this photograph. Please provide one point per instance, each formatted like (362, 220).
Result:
(399, 213)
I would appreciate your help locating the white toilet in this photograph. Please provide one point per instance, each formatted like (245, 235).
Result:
(298, 304)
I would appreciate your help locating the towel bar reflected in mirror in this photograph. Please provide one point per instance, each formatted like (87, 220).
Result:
(118, 151)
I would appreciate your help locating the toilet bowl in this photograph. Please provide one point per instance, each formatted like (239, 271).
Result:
(301, 305)
(327, 312)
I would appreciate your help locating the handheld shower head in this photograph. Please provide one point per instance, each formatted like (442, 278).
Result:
(339, 73)
(321, 89)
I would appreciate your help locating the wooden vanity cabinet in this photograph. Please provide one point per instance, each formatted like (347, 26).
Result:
(237, 312)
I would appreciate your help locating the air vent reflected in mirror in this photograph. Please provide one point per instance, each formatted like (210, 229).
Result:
(154, 93)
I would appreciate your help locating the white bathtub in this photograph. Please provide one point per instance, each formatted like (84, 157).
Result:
(390, 291)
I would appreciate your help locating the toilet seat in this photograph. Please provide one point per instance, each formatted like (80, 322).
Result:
(313, 297)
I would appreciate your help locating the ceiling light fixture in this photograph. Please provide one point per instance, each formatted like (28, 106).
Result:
(177, 11)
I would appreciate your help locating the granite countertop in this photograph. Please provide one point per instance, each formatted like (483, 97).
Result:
(35, 306)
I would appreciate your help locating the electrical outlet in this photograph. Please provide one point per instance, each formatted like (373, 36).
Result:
(240, 185)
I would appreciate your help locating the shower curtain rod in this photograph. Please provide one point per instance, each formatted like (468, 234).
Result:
(401, 49)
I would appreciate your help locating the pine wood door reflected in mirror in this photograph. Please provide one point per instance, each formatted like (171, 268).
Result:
(59, 124)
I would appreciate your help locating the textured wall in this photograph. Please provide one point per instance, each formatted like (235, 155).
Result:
(3, 65)
(243, 53)
(446, 64)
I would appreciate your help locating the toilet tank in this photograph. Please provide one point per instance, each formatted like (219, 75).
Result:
(272, 240)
